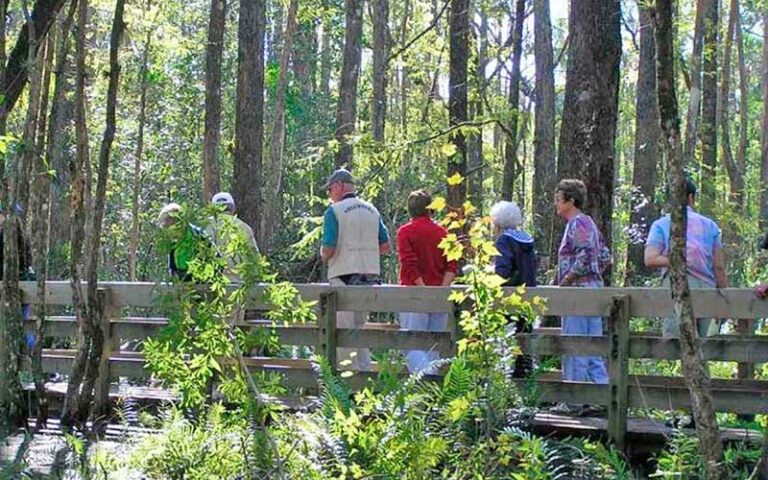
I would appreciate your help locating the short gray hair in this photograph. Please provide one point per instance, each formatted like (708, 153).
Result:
(506, 215)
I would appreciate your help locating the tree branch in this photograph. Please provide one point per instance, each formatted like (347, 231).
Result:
(415, 39)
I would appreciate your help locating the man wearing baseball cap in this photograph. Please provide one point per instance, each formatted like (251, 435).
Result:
(222, 228)
(354, 237)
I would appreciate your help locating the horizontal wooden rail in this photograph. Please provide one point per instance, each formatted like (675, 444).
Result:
(735, 303)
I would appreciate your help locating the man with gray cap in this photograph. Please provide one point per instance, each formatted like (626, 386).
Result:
(354, 237)
(223, 229)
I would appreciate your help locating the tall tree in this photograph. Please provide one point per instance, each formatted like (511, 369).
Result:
(79, 397)
(647, 136)
(477, 107)
(694, 101)
(350, 71)
(591, 104)
(17, 68)
(380, 14)
(213, 52)
(708, 130)
(60, 137)
(545, 166)
(741, 155)
(695, 370)
(139, 152)
(325, 54)
(735, 175)
(457, 102)
(249, 131)
(274, 173)
(764, 134)
(511, 163)
(304, 50)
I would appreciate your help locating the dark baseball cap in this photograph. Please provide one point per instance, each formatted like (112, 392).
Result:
(341, 175)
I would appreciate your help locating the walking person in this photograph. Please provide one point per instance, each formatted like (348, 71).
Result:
(232, 237)
(581, 260)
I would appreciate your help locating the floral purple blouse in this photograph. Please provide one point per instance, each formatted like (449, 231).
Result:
(583, 252)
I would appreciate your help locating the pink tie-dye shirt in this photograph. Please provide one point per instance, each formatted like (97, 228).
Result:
(583, 252)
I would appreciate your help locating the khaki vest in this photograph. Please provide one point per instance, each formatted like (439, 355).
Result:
(357, 246)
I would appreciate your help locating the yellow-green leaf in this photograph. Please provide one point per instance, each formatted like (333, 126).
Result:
(455, 179)
(437, 205)
(448, 150)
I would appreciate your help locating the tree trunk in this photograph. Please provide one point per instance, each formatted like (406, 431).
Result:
(457, 102)
(708, 130)
(694, 102)
(211, 140)
(764, 134)
(380, 60)
(647, 135)
(40, 223)
(16, 72)
(545, 164)
(325, 56)
(475, 141)
(695, 369)
(735, 175)
(304, 52)
(3, 106)
(511, 164)
(249, 132)
(591, 105)
(274, 172)
(57, 147)
(139, 154)
(741, 155)
(350, 71)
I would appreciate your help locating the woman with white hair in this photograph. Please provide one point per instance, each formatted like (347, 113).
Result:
(516, 262)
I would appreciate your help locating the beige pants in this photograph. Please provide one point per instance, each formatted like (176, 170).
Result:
(360, 357)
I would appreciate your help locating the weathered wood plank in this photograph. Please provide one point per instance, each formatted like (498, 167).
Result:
(618, 368)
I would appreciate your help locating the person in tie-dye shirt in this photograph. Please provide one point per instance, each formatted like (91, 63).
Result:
(703, 256)
(581, 260)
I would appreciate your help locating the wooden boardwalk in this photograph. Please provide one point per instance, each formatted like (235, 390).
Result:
(130, 314)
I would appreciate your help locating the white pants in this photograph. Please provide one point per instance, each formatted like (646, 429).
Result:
(418, 360)
(360, 357)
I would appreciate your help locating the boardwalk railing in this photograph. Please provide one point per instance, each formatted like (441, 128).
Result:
(619, 345)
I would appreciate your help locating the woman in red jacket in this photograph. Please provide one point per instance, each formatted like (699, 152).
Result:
(422, 263)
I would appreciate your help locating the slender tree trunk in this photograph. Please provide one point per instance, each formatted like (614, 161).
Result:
(741, 155)
(764, 134)
(511, 163)
(304, 52)
(457, 102)
(695, 369)
(139, 154)
(3, 105)
(40, 223)
(70, 415)
(380, 61)
(475, 141)
(708, 128)
(647, 135)
(276, 32)
(735, 175)
(694, 101)
(57, 147)
(274, 172)
(589, 117)
(99, 204)
(545, 164)
(249, 132)
(211, 140)
(12, 406)
(350, 71)
(325, 57)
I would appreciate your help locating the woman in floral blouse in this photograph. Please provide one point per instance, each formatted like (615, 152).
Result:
(582, 259)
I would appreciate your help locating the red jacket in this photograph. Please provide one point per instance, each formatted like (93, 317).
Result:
(417, 247)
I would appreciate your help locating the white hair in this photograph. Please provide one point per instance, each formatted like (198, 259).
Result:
(164, 218)
(506, 215)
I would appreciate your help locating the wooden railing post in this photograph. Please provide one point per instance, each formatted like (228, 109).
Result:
(328, 309)
(101, 393)
(618, 369)
(453, 325)
(746, 370)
